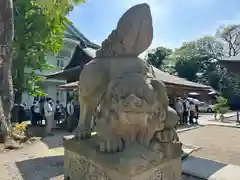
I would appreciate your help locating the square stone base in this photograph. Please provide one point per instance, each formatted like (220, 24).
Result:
(83, 162)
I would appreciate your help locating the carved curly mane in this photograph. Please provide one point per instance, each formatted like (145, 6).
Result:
(133, 35)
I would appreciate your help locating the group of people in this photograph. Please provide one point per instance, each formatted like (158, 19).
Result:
(187, 111)
(53, 114)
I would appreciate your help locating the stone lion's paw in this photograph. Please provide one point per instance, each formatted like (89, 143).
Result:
(82, 134)
(111, 145)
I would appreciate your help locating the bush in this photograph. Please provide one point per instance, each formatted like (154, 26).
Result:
(21, 128)
(221, 107)
(223, 110)
(19, 131)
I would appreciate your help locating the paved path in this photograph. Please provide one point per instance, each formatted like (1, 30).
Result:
(217, 153)
(208, 119)
(217, 143)
(44, 160)
(40, 161)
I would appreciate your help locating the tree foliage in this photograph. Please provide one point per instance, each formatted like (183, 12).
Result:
(157, 56)
(197, 60)
(39, 28)
(230, 36)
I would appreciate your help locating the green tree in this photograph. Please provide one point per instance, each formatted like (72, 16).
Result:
(158, 56)
(230, 36)
(197, 60)
(188, 60)
(39, 28)
(187, 68)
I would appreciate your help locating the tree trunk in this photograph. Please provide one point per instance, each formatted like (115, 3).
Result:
(6, 89)
(18, 84)
(15, 109)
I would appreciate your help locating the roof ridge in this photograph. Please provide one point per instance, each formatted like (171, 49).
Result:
(80, 36)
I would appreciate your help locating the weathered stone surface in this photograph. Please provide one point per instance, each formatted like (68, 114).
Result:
(133, 35)
(116, 91)
(135, 137)
(83, 162)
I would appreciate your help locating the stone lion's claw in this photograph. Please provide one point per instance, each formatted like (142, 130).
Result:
(111, 145)
(82, 134)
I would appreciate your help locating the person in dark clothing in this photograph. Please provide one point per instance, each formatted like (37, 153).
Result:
(41, 106)
(73, 113)
(21, 114)
(185, 113)
(58, 112)
(197, 114)
(77, 110)
(37, 112)
(186, 107)
(33, 119)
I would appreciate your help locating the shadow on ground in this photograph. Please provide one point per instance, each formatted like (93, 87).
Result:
(55, 141)
(231, 119)
(185, 126)
(199, 167)
(41, 168)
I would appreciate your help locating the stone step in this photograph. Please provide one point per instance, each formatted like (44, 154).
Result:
(210, 170)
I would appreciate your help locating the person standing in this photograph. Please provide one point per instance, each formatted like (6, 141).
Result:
(49, 114)
(41, 105)
(21, 114)
(70, 113)
(58, 112)
(179, 109)
(188, 109)
(51, 101)
(197, 113)
(192, 113)
(37, 112)
(185, 110)
(33, 118)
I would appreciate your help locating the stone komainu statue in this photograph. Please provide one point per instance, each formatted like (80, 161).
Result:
(132, 105)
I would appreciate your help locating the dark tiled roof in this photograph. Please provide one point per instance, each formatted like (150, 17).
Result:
(75, 34)
(69, 74)
(162, 76)
(171, 79)
(74, 69)
(232, 64)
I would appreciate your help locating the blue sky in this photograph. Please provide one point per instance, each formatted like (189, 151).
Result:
(175, 21)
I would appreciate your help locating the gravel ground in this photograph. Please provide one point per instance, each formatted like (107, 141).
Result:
(37, 162)
(34, 162)
(218, 143)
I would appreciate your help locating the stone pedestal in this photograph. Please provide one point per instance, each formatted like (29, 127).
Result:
(83, 162)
